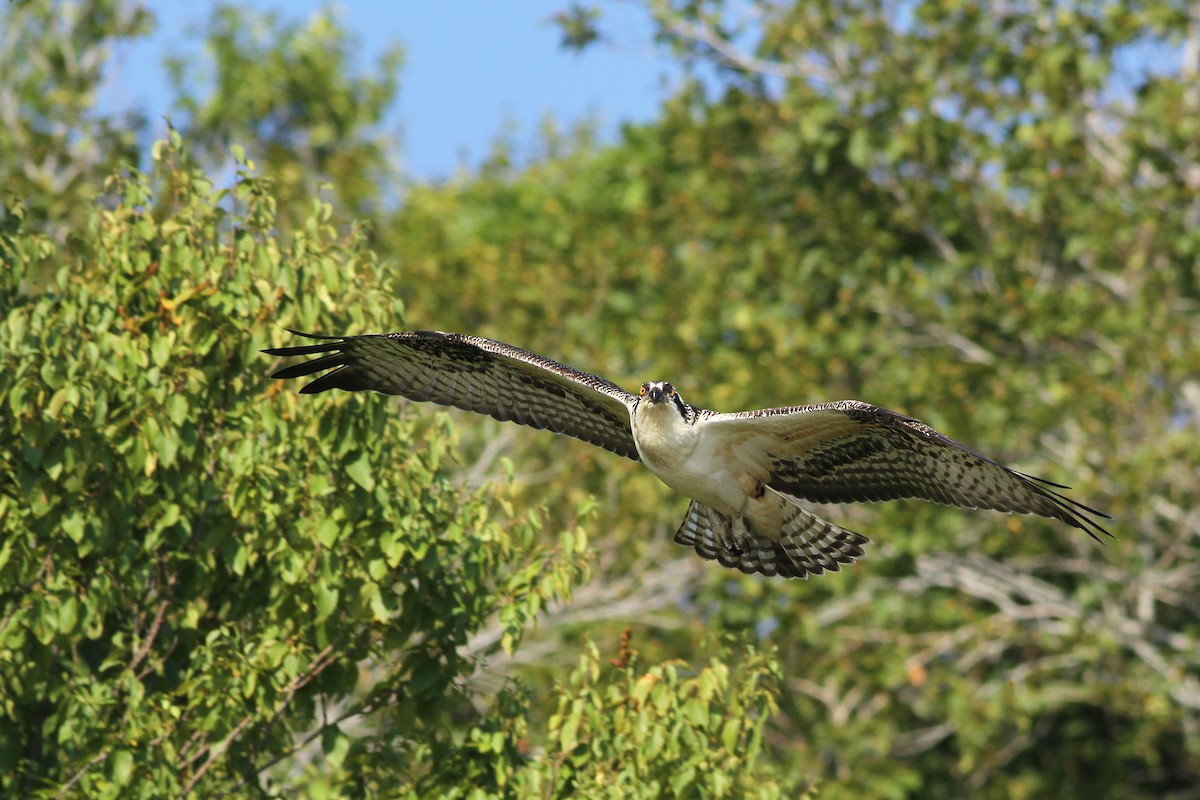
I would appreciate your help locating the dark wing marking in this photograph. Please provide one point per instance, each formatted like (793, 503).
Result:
(475, 374)
(849, 451)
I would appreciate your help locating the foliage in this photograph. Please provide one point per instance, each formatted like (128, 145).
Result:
(984, 219)
(634, 737)
(204, 577)
(53, 151)
(286, 92)
(988, 223)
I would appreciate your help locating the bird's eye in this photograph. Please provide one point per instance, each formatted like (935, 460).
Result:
(671, 392)
(642, 391)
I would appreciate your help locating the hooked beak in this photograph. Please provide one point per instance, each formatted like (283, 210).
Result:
(655, 394)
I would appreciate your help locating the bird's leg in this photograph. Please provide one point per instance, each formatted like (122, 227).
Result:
(723, 527)
(740, 539)
(737, 538)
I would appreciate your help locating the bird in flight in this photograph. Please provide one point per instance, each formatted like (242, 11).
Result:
(746, 473)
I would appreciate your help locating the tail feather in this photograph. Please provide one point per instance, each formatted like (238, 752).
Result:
(804, 545)
(696, 531)
(814, 542)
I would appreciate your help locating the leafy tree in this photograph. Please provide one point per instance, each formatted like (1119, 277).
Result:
(286, 92)
(983, 219)
(54, 150)
(206, 584)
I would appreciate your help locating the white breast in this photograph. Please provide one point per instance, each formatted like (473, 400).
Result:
(684, 458)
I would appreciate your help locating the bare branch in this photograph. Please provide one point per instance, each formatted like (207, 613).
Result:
(93, 761)
(912, 743)
(936, 334)
(735, 57)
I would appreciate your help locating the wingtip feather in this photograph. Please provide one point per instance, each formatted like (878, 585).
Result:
(312, 335)
(303, 350)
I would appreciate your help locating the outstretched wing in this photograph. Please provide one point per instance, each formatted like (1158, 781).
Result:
(475, 374)
(851, 451)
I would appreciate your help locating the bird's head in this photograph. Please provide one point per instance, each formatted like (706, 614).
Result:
(655, 392)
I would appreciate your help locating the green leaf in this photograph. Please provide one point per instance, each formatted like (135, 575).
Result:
(335, 745)
(326, 598)
(160, 349)
(121, 766)
(682, 780)
(377, 568)
(858, 150)
(73, 525)
(359, 470)
(177, 408)
(327, 532)
(68, 614)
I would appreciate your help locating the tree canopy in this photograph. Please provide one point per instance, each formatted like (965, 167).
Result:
(210, 585)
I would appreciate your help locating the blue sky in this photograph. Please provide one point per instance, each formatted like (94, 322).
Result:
(474, 69)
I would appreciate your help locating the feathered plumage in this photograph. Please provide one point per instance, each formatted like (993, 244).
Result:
(745, 472)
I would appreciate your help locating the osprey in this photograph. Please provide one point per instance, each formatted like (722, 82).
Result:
(746, 473)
